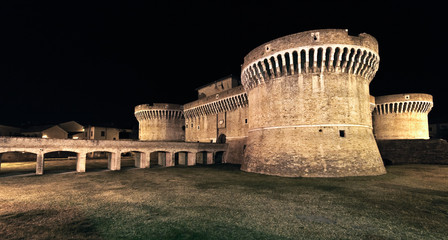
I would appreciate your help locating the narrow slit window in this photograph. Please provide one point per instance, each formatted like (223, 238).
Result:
(341, 133)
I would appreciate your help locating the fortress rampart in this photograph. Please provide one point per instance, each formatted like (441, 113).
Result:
(160, 122)
(402, 116)
(220, 102)
(310, 111)
(220, 117)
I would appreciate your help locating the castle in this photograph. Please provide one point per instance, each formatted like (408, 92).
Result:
(303, 110)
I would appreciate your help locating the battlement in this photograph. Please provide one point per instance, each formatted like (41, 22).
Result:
(316, 51)
(402, 116)
(158, 111)
(403, 103)
(224, 101)
(158, 106)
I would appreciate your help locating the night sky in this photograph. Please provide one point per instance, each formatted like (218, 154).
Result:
(94, 61)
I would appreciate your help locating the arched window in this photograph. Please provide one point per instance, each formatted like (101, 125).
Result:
(311, 59)
(295, 61)
(327, 58)
(336, 57)
(319, 57)
(303, 60)
(288, 63)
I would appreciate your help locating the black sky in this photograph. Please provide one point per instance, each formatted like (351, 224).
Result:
(93, 61)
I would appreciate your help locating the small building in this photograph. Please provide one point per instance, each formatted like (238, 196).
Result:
(45, 131)
(9, 131)
(74, 129)
(101, 133)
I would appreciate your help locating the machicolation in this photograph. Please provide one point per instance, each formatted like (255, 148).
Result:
(309, 105)
(160, 122)
(402, 116)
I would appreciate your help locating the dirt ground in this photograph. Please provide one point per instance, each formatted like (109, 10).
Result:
(222, 202)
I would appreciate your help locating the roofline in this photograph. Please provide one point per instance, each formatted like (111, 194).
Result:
(208, 84)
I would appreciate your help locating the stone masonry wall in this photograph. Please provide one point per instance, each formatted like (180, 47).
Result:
(309, 113)
(431, 151)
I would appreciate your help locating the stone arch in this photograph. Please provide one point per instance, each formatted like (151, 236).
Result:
(160, 158)
(311, 59)
(219, 157)
(303, 59)
(288, 64)
(201, 157)
(336, 58)
(357, 61)
(261, 69)
(362, 62)
(344, 59)
(134, 158)
(17, 162)
(274, 65)
(368, 65)
(320, 56)
(221, 138)
(267, 68)
(182, 158)
(98, 159)
(350, 60)
(280, 63)
(62, 160)
(295, 61)
(328, 58)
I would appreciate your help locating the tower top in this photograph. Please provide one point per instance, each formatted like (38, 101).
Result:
(404, 97)
(309, 39)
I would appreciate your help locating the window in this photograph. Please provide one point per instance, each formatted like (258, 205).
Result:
(341, 133)
(245, 120)
(103, 133)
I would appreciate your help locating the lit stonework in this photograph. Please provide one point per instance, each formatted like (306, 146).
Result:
(160, 122)
(309, 112)
(402, 116)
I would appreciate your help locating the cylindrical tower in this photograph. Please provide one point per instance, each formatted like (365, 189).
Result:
(309, 112)
(402, 116)
(160, 122)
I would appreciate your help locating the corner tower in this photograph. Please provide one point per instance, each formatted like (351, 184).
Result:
(160, 122)
(309, 113)
(402, 116)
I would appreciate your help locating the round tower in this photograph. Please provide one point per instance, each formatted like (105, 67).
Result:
(309, 110)
(160, 122)
(402, 116)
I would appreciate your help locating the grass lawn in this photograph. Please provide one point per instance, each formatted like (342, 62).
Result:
(222, 202)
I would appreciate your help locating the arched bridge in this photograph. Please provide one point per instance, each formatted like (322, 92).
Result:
(167, 152)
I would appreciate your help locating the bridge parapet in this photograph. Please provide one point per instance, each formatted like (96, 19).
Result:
(40, 146)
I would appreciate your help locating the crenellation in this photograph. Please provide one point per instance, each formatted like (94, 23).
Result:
(311, 60)
(402, 116)
(160, 121)
(300, 76)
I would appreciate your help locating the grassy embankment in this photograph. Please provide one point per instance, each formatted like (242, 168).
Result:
(221, 202)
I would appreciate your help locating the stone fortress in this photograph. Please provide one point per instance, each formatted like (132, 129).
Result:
(402, 116)
(168, 119)
(303, 110)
